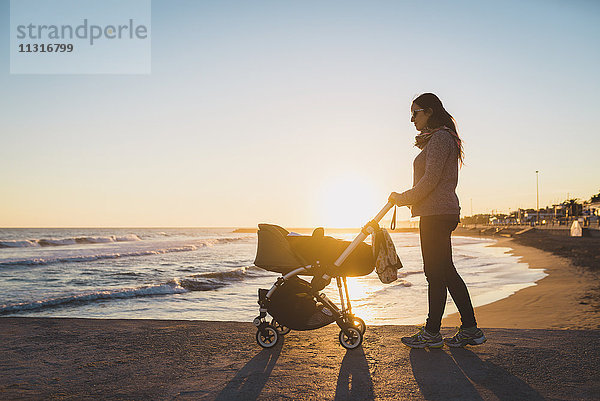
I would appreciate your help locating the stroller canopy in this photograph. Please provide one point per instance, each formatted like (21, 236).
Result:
(279, 252)
(275, 250)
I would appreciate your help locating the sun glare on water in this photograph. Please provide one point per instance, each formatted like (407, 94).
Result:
(347, 201)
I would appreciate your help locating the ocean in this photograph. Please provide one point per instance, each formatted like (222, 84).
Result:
(208, 274)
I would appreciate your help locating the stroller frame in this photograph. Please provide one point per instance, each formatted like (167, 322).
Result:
(352, 328)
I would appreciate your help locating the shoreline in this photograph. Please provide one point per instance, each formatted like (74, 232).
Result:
(565, 299)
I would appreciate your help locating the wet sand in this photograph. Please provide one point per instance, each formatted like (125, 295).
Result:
(565, 299)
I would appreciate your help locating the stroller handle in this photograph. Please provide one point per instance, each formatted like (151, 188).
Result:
(361, 236)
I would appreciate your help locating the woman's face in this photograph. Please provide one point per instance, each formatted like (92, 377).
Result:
(419, 117)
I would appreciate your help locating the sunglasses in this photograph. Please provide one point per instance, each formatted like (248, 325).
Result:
(414, 113)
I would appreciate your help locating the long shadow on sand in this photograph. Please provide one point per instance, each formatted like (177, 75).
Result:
(250, 380)
(492, 377)
(354, 381)
(443, 376)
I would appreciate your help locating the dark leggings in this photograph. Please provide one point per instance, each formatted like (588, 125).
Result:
(441, 274)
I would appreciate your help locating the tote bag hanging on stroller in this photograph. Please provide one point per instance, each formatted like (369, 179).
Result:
(387, 262)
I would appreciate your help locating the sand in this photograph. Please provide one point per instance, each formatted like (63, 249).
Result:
(87, 359)
(565, 299)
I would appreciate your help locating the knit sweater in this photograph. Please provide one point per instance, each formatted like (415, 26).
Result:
(435, 176)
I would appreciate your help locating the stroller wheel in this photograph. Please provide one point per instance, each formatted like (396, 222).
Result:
(281, 329)
(359, 324)
(352, 341)
(268, 337)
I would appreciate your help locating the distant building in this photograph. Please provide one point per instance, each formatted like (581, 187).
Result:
(476, 219)
(591, 208)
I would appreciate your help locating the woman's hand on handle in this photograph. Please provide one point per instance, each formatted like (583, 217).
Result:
(394, 198)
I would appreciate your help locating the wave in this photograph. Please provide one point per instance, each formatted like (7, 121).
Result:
(107, 254)
(213, 281)
(198, 282)
(18, 243)
(216, 241)
(236, 274)
(87, 258)
(67, 241)
(164, 289)
(393, 287)
(402, 274)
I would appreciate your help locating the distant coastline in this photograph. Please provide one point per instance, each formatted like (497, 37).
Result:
(304, 230)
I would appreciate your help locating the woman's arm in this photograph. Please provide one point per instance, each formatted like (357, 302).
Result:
(438, 149)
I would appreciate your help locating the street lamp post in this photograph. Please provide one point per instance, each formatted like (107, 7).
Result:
(537, 195)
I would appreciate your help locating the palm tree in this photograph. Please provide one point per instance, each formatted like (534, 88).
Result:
(573, 208)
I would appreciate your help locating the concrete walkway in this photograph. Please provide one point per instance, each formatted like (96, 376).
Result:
(195, 360)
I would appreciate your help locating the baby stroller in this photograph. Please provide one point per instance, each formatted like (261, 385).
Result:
(296, 304)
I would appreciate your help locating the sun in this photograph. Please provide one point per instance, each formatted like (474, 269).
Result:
(347, 200)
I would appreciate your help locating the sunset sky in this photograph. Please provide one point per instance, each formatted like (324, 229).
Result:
(297, 113)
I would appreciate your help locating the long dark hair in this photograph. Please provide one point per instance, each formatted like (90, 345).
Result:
(440, 118)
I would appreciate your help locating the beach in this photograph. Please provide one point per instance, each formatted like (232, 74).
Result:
(542, 344)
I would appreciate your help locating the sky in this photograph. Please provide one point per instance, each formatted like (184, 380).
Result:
(297, 114)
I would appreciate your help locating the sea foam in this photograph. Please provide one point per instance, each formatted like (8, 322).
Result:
(198, 282)
(164, 289)
(67, 241)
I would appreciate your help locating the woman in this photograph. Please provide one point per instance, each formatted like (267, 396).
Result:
(433, 197)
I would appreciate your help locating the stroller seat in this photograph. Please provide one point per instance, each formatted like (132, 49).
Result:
(280, 252)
